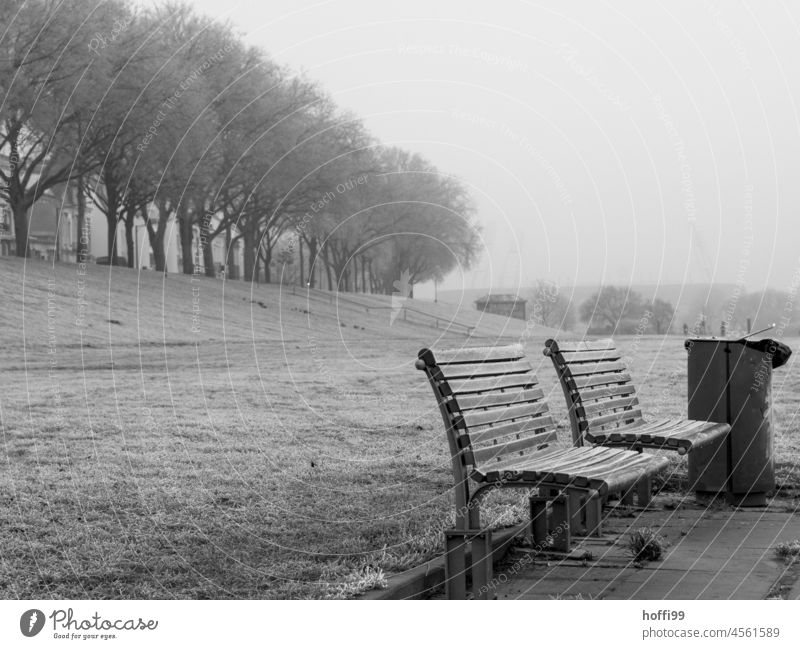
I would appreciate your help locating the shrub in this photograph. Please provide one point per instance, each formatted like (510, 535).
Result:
(645, 544)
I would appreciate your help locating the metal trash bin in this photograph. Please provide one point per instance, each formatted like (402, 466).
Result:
(731, 381)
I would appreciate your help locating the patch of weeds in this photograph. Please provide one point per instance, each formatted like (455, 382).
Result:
(674, 478)
(645, 544)
(788, 551)
(344, 579)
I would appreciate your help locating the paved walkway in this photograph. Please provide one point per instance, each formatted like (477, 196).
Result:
(712, 554)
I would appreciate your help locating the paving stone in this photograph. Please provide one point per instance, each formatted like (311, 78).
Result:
(713, 554)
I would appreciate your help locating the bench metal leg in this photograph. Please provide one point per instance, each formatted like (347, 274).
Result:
(481, 564)
(539, 520)
(561, 523)
(455, 564)
(455, 570)
(644, 491)
(626, 498)
(576, 512)
(594, 516)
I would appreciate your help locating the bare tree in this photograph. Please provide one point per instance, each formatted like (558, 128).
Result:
(610, 306)
(51, 81)
(548, 306)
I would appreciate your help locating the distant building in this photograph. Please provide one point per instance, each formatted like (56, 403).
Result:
(506, 304)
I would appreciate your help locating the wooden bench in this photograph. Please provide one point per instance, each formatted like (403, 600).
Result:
(500, 435)
(603, 406)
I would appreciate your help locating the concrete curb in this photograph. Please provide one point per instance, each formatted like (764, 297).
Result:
(421, 581)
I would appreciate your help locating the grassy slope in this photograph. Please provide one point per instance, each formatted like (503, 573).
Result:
(271, 453)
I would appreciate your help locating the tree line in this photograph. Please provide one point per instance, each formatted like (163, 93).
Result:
(619, 310)
(162, 115)
(610, 310)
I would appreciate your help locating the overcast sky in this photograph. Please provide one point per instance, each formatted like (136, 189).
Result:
(625, 142)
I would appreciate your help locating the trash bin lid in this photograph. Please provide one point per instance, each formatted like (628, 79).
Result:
(780, 352)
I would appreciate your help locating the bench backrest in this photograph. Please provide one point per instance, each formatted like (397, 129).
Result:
(491, 404)
(597, 386)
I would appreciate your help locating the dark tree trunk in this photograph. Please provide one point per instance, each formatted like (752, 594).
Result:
(112, 218)
(206, 238)
(300, 255)
(129, 240)
(82, 253)
(267, 262)
(156, 236)
(187, 234)
(313, 261)
(16, 200)
(20, 211)
(363, 276)
(257, 269)
(111, 237)
(325, 259)
(249, 252)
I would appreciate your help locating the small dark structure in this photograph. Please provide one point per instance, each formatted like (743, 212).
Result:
(505, 304)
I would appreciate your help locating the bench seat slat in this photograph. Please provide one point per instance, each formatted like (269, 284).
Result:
(592, 394)
(497, 452)
(601, 380)
(468, 370)
(615, 417)
(471, 386)
(601, 367)
(580, 467)
(480, 354)
(470, 402)
(584, 345)
(503, 413)
(681, 433)
(583, 357)
(542, 423)
(542, 438)
(609, 404)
